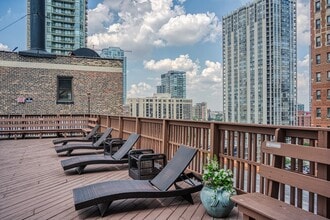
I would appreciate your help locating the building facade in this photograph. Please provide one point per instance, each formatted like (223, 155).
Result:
(200, 112)
(65, 25)
(320, 63)
(259, 63)
(174, 83)
(59, 85)
(160, 106)
(117, 53)
(304, 119)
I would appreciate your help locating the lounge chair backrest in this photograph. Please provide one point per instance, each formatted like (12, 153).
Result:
(127, 146)
(174, 168)
(93, 131)
(103, 137)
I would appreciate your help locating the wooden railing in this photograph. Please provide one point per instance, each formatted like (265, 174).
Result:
(22, 126)
(236, 145)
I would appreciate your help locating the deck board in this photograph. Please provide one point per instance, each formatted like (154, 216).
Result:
(34, 186)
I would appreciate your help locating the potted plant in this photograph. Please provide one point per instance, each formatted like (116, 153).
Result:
(217, 190)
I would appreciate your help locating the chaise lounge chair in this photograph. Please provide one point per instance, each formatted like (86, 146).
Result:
(88, 138)
(93, 146)
(103, 194)
(119, 157)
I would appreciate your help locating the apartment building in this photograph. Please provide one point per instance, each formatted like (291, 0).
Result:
(160, 105)
(259, 63)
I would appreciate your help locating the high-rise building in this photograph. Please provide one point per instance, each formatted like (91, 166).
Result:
(161, 105)
(320, 63)
(65, 26)
(117, 53)
(259, 63)
(174, 83)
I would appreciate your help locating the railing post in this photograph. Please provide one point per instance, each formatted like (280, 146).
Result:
(138, 131)
(120, 124)
(215, 141)
(108, 121)
(323, 203)
(165, 137)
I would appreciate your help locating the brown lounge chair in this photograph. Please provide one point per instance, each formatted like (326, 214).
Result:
(88, 138)
(119, 157)
(93, 146)
(103, 194)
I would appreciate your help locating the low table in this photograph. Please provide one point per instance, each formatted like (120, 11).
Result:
(145, 164)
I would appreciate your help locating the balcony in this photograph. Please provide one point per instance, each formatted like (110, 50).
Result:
(34, 185)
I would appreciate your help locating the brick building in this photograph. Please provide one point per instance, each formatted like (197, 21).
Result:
(320, 63)
(59, 85)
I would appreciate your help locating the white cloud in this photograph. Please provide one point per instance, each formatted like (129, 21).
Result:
(191, 28)
(203, 84)
(140, 90)
(4, 47)
(182, 63)
(142, 26)
(98, 18)
(303, 22)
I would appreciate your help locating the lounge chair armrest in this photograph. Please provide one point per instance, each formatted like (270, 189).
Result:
(140, 151)
(143, 157)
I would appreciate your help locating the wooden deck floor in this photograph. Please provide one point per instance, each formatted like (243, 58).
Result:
(33, 185)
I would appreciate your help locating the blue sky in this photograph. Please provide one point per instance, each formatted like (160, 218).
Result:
(163, 35)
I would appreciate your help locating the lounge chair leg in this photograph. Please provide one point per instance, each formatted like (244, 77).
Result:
(69, 153)
(188, 198)
(103, 207)
(80, 169)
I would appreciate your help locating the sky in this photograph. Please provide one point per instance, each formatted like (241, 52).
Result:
(163, 35)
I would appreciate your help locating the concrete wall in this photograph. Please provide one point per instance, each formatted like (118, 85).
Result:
(36, 78)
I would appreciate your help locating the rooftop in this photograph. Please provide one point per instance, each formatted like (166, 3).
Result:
(34, 186)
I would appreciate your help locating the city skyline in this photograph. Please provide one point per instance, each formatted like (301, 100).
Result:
(168, 35)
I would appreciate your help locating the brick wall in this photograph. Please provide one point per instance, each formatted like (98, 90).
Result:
(36, 78)
(323, 103)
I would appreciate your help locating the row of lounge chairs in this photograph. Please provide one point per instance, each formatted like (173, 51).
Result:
(171, 181)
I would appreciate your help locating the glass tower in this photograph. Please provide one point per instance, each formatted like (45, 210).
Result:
(65, 25)
(117, 53)
(259, 63)
(174, 83)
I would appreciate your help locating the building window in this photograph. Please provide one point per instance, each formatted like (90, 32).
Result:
(318, 77)
(318, 41)
(64, 90)
(328, 112)
(318, 24)
(317, 6)
(328, 94)
(318, 94)
(328, 20)
(328, 38)
(318, 112)
(318, 58)
(328, 57)
(328, 75)
(328, 3)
